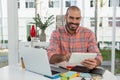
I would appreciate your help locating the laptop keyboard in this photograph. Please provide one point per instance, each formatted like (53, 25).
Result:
(56, 69)
(54, 72)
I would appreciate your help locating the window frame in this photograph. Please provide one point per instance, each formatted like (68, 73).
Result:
(54, 4)
(28, 4)
(71, 3)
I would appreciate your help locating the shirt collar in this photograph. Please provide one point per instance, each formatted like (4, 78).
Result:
(69, 33)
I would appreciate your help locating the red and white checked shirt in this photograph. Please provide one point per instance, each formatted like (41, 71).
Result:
(62, 42)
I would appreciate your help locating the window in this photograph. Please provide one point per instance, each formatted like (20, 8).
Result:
(18, 3)
(100, 23)
(29, 4)
(69, 3)
(53, 3)
(110, 3)
(110, 21)
(117, 3)
(92, 22)
(91, 3)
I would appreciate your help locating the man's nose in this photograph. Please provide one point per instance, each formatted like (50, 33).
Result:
(74, 21)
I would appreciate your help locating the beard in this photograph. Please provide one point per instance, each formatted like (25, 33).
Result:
(72, 26)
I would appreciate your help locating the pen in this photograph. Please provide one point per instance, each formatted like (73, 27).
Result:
(22, 63)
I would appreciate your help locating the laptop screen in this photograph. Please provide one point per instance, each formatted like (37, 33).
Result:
(36, 60)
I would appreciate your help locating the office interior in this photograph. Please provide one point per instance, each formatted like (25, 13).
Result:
(15, 16)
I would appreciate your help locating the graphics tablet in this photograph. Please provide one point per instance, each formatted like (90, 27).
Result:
(79, 57)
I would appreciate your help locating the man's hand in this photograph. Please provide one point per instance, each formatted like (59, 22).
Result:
(90, 63)
(57, 58)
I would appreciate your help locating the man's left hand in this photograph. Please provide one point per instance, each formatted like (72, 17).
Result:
(90, 63)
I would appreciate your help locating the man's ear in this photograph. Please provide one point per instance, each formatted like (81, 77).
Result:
(80, 18)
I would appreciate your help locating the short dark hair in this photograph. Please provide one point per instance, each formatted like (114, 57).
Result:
(72, 8)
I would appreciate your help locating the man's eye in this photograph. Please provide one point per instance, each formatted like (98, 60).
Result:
(71, 17)
(77, 18)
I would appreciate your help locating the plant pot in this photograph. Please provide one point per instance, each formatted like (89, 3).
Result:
(42, 36)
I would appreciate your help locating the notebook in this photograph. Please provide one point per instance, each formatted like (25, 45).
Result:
(77, 58)
(36, 60)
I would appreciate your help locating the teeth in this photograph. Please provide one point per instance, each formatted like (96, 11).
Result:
(73, 25)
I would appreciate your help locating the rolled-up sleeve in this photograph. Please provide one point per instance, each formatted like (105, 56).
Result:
(93, 46)
(53, 47)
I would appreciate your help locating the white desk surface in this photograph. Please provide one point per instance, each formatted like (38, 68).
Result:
(17, 73)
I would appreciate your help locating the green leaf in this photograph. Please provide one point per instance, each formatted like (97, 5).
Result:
(39, 23)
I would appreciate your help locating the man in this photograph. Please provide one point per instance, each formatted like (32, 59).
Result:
(73, 38)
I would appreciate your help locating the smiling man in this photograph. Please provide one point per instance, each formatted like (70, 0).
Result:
(73, 38)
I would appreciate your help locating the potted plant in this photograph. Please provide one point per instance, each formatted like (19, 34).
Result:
(42, 25)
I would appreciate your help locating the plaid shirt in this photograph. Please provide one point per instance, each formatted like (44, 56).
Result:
(83, 40)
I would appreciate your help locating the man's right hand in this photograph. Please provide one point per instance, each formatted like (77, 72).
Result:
(57, 58)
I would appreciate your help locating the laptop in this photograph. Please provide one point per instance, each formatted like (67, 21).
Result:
(36, 60)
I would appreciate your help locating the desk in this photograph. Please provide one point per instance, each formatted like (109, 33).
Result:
(15, 72)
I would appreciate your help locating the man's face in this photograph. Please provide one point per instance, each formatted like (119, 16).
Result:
(73, 19)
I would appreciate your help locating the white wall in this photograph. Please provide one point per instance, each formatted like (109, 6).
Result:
(25, 16)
